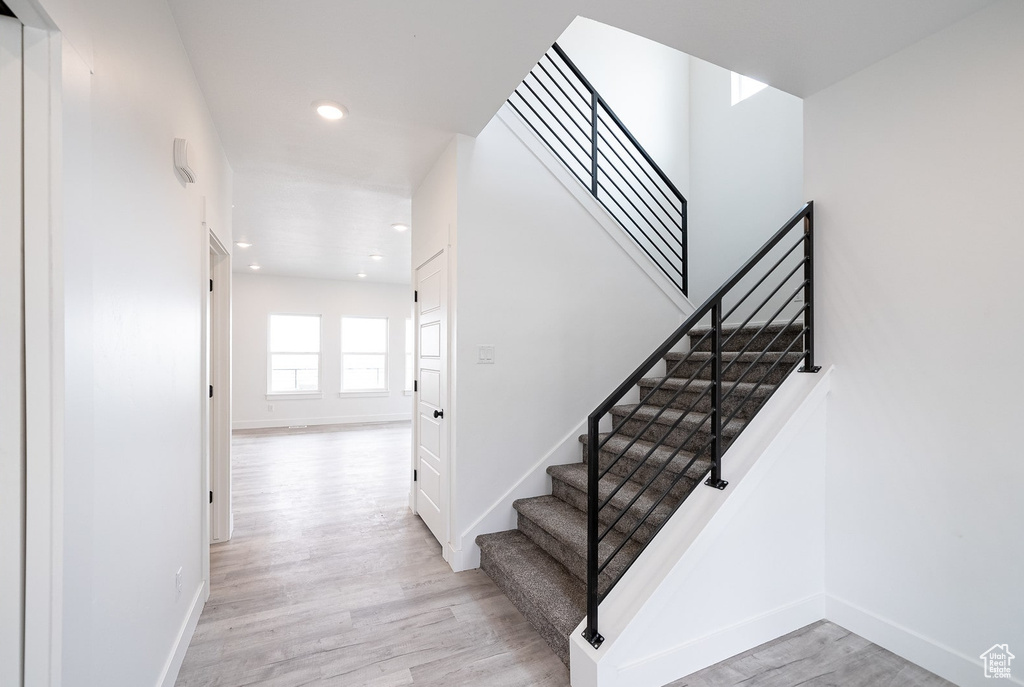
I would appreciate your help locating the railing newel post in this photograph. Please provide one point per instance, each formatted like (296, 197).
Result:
(809, 365)
(593, 475)
(715, 479)
(594, 98)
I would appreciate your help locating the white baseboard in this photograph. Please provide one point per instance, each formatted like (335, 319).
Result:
(337, 420)
(170, 672)
(698, 654)
(940, 659)
(501, 516)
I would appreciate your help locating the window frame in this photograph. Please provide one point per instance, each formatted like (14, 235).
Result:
(319, 391)
(386, 390)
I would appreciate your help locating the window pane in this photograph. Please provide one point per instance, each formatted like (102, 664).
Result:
(364, 335)
(294, 372)
(295, 333)
(363, 372)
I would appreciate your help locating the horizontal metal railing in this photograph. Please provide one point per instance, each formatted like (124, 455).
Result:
(706, 433)
(562, 107)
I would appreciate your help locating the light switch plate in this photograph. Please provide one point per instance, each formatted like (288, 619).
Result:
(485, 355)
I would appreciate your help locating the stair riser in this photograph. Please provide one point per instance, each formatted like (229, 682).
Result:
(578, 499)
(663, 434)
(558, 641)
(686, 369)
(575, 564)
(701, 403)
(625, 465)
(762, 341)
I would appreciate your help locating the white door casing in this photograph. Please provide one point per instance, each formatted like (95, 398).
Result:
(432, 489)
(12, 371)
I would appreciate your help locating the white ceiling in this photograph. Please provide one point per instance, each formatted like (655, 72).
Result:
(316, 198)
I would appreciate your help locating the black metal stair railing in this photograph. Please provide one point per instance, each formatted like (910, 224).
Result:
(571, 117)
(712, 431)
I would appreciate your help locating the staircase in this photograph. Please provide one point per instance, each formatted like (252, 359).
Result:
(697, 392)
(542, 565)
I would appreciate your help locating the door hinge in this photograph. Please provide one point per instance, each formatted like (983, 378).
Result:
(211, 497)
(211, 286)
(415, 385)
(414, 475)
(415, 296)
(211, 391)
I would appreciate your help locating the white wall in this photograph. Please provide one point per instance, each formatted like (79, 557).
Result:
(569, 313)
(916, 168)
(256, 296)
(135, 252)
(435, 207)
(746, 173)
(647, 84)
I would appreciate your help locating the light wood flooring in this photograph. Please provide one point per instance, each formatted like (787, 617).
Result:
(330, 580)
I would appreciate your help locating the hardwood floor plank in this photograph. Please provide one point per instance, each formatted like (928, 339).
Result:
(329, 579)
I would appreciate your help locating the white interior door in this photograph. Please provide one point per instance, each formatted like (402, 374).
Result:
(432, 488)
(12, 361)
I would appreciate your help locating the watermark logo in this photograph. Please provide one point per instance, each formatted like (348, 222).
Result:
(997, 661)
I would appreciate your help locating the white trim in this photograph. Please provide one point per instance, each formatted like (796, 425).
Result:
(12, 366)
(501, 516)
(296, 396)
(706, 651)
(44, 358)
(335, 420)
(219, 440)
(541, 151)
(169, 675)
(364, 394)
(931, 655)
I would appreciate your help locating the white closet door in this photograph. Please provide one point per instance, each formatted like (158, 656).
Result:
(12, 361)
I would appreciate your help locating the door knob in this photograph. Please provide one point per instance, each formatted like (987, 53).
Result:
(439, 413)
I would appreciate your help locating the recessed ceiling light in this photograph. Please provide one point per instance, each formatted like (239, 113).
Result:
(254, 267)
(243, 244)
(361, 275)
(400, 227)
(376, 256)
(330, 110)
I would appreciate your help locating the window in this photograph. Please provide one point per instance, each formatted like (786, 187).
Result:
(364, 354)
(294, 354)
(743, 87)
(408, 354)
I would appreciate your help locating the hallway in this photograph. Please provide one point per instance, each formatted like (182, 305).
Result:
(330, 579)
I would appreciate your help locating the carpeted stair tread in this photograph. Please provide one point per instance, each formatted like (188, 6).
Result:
(729, 356)
(615, 444)
(668, 416)
(636, 462)
(734, 337)
(574, 478)
(568, 526)
(699, 385)
(551, 597)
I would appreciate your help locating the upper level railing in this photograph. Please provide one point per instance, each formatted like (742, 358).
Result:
(782, 338)
(571, 117)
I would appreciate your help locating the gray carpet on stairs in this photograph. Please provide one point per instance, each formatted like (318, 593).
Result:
(541, 566)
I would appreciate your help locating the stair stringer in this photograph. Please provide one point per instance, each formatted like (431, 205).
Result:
(543, 153)
(732, 569)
